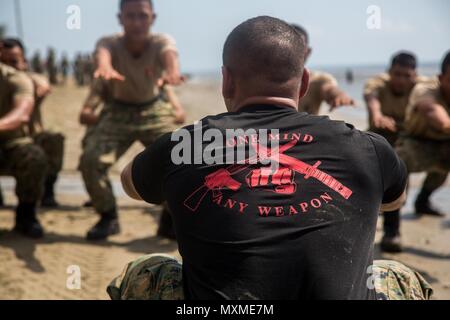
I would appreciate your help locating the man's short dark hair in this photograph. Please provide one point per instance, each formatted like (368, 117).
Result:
(123, 2)
(10, 43)
(404, 59)
(302, 31)
(265, 48)
(445, 63)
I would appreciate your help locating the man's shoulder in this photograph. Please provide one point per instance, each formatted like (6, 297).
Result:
(426, 80)
(380, 80)
(110, 40)
(425, 90)
(161, 37)
(12, 76)
(6, 71)
(38, 78)
(321, 77)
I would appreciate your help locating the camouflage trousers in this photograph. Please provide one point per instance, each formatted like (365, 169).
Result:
(27, 163)
(160, 277)
(395, 281)
(435, 177)
(53, 145)
(118, 128)
(424, 155)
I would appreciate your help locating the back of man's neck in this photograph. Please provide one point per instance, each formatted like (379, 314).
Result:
(279, 101)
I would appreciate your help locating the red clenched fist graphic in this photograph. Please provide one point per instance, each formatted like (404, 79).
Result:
(280, 181)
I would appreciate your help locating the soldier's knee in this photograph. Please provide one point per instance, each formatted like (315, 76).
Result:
(90, 161)
(36, 159)
(58, 140)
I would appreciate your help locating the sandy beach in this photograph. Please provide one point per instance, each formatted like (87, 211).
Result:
(38, 269)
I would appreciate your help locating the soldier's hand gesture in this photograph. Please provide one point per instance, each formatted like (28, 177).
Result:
(108, 73)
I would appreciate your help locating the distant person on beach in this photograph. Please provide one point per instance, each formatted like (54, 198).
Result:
(300, 226)
(323, 87)
(425, 146)
(88, 68)
(19, 156)
(51, 66)
(36, 63)
(136, 65)
(387, 96)
(13, 54)
(349, 76)
(64, 67)
(78, 69)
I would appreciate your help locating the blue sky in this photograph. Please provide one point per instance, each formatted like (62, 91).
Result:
(339, 35)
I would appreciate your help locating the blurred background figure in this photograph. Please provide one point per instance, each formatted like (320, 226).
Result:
(36, 63)
(78, 69)
(88, 68)
(64, 67)
(349, 76)
(52, 69)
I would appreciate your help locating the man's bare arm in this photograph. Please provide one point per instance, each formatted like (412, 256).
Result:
(436, 115)
(180, 114)
(335, 97)
(395, 205)
(376, 116)
(171, 64)
(19, 115)
(127, 183)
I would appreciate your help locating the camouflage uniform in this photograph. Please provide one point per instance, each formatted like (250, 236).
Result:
(421, 154)
(423, 147)
(19, 157)
(119, 127)
(152, 277)
(27, 163)
(134, 110)
(395, 107)
(395, 281)
(160, 277)
(51, 142)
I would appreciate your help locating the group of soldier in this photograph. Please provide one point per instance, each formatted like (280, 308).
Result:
(397, 112)
(58, 71)
(131, 99)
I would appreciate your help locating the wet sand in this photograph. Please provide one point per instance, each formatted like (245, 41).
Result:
(38, 269)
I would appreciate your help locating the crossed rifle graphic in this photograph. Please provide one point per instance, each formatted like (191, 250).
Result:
(223, 178)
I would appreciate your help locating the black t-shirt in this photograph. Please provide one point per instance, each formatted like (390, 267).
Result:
(305, 231)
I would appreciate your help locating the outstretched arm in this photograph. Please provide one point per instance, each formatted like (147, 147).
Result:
(105, 69)
(171, 65)
(180, 114)
(335, 97)
(376, 117)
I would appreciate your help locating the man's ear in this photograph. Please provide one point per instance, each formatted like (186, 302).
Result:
(227, 83)
(305, 83)
(119, 17)
(154, 18)
(308, 53)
